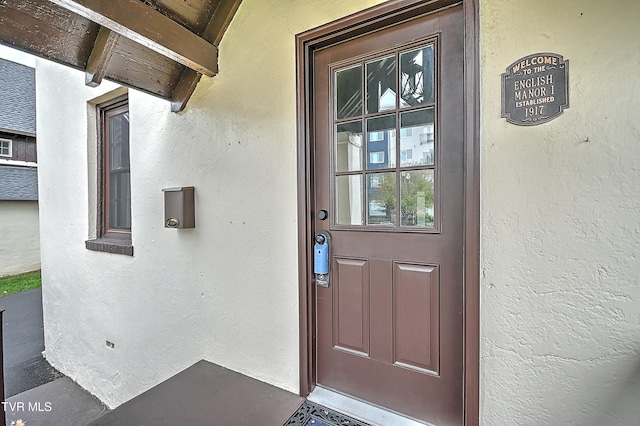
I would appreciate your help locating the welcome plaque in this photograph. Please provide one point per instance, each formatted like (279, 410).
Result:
(535, 89)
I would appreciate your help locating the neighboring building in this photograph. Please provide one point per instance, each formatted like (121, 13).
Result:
(19, 224)
(503, 287)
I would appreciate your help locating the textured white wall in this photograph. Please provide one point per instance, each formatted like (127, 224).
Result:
(560, 235)
(226, 291)
(560, 221)
(19, 237)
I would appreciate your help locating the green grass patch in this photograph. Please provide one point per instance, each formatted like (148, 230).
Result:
(18, 283)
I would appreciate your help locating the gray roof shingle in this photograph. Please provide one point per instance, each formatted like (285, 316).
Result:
(18, 183)
(17, 98)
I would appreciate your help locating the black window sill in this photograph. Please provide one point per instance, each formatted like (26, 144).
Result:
(110, 245)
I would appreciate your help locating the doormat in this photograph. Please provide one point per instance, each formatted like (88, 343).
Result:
(310, 414)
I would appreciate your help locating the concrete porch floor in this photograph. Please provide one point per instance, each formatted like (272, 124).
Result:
(203, 394)
(206, 394)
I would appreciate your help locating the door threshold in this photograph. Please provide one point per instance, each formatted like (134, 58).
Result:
(374, 415)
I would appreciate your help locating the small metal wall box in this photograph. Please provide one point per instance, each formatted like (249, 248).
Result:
(179, 207)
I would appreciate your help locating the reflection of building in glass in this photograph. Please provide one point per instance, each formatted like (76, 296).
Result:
(416, 140)
(417, 145)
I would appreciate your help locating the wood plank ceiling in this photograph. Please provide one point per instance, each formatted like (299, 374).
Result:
(161, 47)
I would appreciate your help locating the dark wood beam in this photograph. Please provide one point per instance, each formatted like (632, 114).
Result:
(101, 53)
(216, 28)
(184, 89)
(148, 27)
(220, 20)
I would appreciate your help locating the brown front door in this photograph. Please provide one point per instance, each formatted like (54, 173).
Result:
(389, 143)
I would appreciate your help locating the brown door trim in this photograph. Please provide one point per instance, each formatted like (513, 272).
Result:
(472, 216)
(367, 21)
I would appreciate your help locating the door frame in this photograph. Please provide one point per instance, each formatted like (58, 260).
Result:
(360, 23)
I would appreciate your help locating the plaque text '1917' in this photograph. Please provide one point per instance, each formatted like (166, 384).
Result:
(535, 89)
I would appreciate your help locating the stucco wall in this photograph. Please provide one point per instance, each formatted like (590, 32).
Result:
(19, 237)
(560, 235)
(560, 232)
(226, 291)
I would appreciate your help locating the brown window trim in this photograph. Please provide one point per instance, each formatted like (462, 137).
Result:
(109, 240)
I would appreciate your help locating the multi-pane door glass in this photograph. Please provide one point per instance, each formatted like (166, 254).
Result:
(384, 153)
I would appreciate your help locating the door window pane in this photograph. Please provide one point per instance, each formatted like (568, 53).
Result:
(417, 138)
(349, 92)
(349, 146)
(349, 200)
(382, 199)
(381, 85)
(417, 74)
(416, 198)
(381, 142)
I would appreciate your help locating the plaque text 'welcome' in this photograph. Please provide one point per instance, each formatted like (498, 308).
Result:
(535, 89)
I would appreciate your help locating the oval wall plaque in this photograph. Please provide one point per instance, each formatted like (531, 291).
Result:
(535, 89)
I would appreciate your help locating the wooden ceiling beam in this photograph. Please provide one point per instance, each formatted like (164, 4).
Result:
(148, 27)
(101, 53)
(184, 89)
(220, 20)
(213, 33)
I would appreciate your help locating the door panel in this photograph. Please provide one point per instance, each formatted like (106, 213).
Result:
(351, 305)
(388, 129)
(416, 315)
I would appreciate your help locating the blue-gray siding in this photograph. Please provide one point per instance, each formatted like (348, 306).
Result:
(17, 98)
(18, 183)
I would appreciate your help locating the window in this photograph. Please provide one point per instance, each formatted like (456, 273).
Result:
(377, 208)
(114, 185)
(376, 136)
(376, 157)
(406, 154)
(405, 133)
(5, 148)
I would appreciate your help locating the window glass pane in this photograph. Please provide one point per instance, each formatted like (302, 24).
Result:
(381, 142)
(381, 85)
(349, 92)
(417, 77)
(381, 198)
(349, 146)
(349, 200)
(416, 202)
(417, 138)
(119, 141)
(119, 200)
(116, 173)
